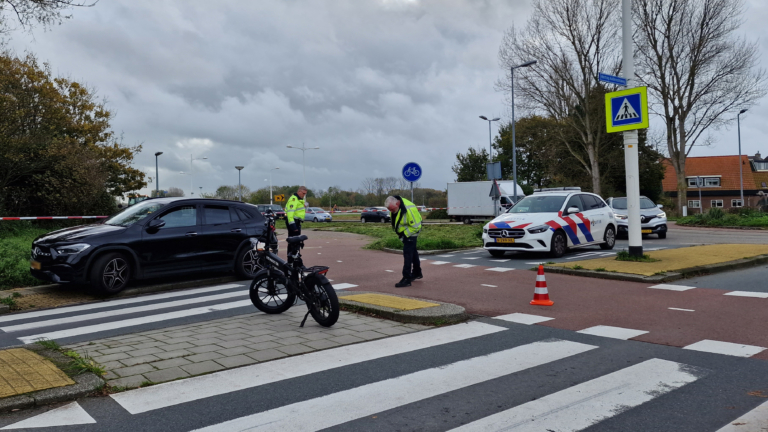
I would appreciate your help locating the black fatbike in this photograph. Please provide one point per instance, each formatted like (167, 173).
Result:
(277, 285)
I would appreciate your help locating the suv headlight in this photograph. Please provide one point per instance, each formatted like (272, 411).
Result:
(538, 229)
(661, 215)
(621, 216)
(72, 249)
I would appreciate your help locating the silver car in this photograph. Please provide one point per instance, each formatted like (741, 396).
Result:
(653, 219)
(316, 214)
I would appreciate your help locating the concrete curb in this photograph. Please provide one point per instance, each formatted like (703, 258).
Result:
(85, 384)
(446, 313)
(429, 252)
(4, 309)
(670, 276)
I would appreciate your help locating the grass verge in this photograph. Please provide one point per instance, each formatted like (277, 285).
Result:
(78, 363)
(737, 217)
(432, 237)
(625, 256)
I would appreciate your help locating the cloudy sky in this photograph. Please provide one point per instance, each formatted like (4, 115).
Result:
(373, 83)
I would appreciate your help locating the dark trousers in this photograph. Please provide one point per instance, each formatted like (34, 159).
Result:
(411, 264)
(293, 247)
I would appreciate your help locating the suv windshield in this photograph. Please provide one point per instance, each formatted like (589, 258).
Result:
(539, 204)
(621, 203)
(135, 213)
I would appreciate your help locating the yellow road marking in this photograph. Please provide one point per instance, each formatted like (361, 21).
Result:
(389, 301)
(22, 371)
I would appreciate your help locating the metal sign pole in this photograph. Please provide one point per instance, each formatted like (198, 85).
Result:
(699, 184)
(631, 141)
(411, 191)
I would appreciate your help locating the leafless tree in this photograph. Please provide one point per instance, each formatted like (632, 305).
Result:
(368, 185)
(572, 40)
(30, 12)
(699, 72)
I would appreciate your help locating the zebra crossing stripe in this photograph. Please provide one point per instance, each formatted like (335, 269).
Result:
(77, 331)
(392, 393)
(67, 415)
(343, 286)
(111, 313)
(178, 392)
(100, 305)
(753, 421)
(586, 404)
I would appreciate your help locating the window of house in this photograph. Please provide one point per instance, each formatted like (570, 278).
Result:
(694, 204)
(692, 182)
(712, 182)
(736, 203)
(716, 203)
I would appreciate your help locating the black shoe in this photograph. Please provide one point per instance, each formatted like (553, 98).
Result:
(404, 282)
(418, 275)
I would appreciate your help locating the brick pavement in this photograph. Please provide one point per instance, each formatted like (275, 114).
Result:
(177, 352)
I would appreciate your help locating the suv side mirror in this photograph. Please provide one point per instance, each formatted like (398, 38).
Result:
(659, 206)
(572, 210)
(156, 224)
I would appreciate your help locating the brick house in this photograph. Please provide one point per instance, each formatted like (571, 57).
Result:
(721, 181)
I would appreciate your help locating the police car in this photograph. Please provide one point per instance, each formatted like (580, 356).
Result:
(552, 220)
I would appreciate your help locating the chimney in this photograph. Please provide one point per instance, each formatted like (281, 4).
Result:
(757, 156)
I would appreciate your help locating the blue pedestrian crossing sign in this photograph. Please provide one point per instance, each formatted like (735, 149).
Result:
(626, 109)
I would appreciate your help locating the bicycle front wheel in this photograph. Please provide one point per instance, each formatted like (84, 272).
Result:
(270, 294)
(324, 306)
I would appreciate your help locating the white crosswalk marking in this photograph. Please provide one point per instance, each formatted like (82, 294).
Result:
(99, 305)
(465, 265)
(588, 403)
(392, 393)
(727, 348)
(499, 269)
(111, 313)
(134, 321)
(671, 287)
(343, 286)
(522, 318)
(440, 262)
(67, 415)
(177, 392)
(752, 421)
(747, 294)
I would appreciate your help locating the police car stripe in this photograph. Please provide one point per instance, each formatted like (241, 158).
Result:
(587, 234)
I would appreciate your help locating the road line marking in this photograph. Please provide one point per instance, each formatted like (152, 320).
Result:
(191, 389)
(343, 286)
(492, 286)
(536, 263)
(727, 348)
(77, 331)
(99, 305)
(685, 310)
(612, 332)
(395, 392)
(446, 256)
(471, 258)
(465, 265)
(391, 271)
(591, 402)
(440, 262)
(501, 260)
(522, 318)
(747, 294)
(338, 261)
(67, 415)
(499, 269)
(751, 421)
(672, 287)
(111, 313)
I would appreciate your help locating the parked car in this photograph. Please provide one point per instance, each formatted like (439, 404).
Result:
(652, 219)
(552, 220)
(316, 214)
(156, 237)
(375, 214)
(276, 209)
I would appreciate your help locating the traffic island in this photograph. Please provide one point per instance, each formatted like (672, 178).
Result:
(403, 309)
(670, 264)
(35, 375)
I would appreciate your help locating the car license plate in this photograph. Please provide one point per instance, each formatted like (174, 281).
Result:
(647, 231)
(505, 240)
(35, 265)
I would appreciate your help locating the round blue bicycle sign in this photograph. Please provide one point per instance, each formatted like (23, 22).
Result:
(412, 172)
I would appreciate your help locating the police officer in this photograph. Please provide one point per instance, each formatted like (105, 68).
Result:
(294, 215)
(406, 221)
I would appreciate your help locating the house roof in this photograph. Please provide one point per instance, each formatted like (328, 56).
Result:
(727, 167)
(761, 179)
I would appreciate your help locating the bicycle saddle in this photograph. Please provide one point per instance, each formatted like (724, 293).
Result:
(296, 239)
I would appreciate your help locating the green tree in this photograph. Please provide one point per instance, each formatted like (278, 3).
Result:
(471, 166)
(535, 145)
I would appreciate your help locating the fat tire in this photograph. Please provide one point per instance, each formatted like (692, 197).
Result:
(100, 266)
(332, 302)
(278, 278)
(610, 241)
(497, 253)
(552, 250)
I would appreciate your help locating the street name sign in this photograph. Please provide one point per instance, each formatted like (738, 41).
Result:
(612, 79)
(626, 109)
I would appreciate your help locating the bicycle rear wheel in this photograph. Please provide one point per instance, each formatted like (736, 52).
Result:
(324, 306)
(270, 294)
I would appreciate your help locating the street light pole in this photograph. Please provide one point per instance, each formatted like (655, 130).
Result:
(270, 184)
(157, 177)
(741, 174)
(239, 188)
(514, 149)
(490, 141)
(303, 160)
(191, 188)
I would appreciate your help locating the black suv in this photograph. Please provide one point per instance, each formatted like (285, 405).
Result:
(156, 237)
(375, 214)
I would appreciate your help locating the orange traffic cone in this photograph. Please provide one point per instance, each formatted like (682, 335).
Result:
(540, 294)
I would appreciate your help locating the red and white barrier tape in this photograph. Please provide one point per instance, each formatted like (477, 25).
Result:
(52, 217)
